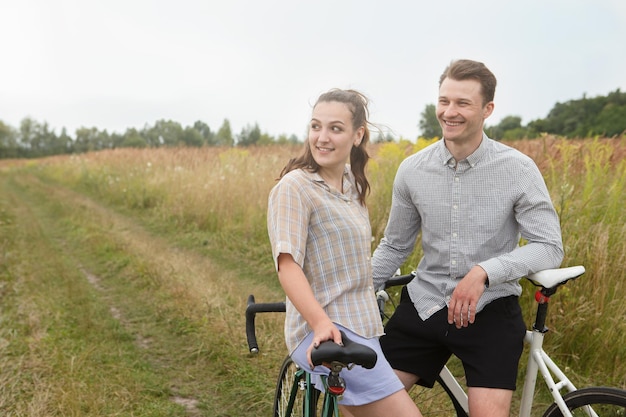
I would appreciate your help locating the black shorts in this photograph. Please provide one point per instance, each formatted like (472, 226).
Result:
(489, 349)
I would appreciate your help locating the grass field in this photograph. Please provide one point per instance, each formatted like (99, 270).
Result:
(124, 275)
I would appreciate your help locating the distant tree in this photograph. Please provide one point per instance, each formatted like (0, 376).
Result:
(84, 139)
(133, 139)
(8, 141)
(284, 139)
(250, 135)
(91, 139)
(43, 136)
(506, 125)
(36, 139)
(208, 136)
(585, 117)
(61, 144)
(116, 140)
(428, 124)
(191, 137)
(224, 136)
(27, 136)
(266, 139)
(164, 133)
(510, 123)
(611, 121)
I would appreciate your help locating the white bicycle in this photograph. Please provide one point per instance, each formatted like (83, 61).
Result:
(448, 398)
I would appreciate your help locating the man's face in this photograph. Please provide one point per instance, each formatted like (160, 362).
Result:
(460, 110)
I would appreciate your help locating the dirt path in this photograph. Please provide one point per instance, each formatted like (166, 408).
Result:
(182, 314)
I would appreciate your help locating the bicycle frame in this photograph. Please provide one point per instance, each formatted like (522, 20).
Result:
(539, 361)
(302, 381)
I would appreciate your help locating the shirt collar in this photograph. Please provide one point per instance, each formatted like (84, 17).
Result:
(347, 185)
(473, 159)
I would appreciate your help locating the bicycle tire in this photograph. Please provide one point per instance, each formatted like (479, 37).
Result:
(287, 380)
(605, 401)
(290, 373)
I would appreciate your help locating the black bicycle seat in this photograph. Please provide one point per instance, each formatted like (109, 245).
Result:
(350, 352)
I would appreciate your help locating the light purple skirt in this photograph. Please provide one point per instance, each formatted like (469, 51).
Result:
(363, 386)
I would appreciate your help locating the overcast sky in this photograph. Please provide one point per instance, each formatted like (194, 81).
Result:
(116, 64)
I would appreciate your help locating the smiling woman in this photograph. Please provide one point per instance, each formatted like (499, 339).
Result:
(321, 237)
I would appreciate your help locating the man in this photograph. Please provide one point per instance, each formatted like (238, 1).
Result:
(472, 198)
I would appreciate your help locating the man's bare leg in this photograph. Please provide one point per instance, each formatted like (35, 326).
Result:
(489, 402)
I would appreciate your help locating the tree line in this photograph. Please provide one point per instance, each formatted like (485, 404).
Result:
(580, 118)
(34, 140)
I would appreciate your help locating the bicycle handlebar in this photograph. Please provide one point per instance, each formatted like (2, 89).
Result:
(399, 280)
(251, 311)
(253, 308)
(381, 295)
(552, 278)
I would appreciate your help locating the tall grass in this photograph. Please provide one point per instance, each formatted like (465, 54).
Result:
(588, 183)
(220, 196)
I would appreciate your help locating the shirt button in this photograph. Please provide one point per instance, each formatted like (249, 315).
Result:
(455, 207)
(454, 234)
(453, 262)
(456, 179)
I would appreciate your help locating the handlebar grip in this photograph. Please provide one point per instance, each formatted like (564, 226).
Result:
(250, 331)
(400, 280)
(251, 311)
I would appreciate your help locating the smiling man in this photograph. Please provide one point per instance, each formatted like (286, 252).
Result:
(471, 198)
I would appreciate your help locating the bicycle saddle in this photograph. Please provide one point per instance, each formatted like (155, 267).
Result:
(350, 352)
(550, 278)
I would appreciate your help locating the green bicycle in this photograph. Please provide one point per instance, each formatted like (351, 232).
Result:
(296, 394)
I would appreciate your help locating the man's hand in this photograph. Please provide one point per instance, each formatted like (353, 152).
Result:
(462, 306)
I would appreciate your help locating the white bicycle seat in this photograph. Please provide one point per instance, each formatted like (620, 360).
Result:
(549, 278)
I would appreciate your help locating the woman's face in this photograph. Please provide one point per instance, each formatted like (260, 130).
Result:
(331, 134)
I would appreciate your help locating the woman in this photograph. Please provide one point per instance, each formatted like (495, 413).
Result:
(321, 238)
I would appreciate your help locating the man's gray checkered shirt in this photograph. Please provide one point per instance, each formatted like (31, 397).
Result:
(469, 213)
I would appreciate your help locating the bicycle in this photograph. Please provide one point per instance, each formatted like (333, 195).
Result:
(591, 401)
(448, 398)
(295, 393)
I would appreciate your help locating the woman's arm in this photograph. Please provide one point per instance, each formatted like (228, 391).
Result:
(299, 292)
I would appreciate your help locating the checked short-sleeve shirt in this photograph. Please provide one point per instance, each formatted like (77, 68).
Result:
(328, 234)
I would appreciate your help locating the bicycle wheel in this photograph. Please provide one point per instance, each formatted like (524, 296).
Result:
(291, 386)
(605, 402)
